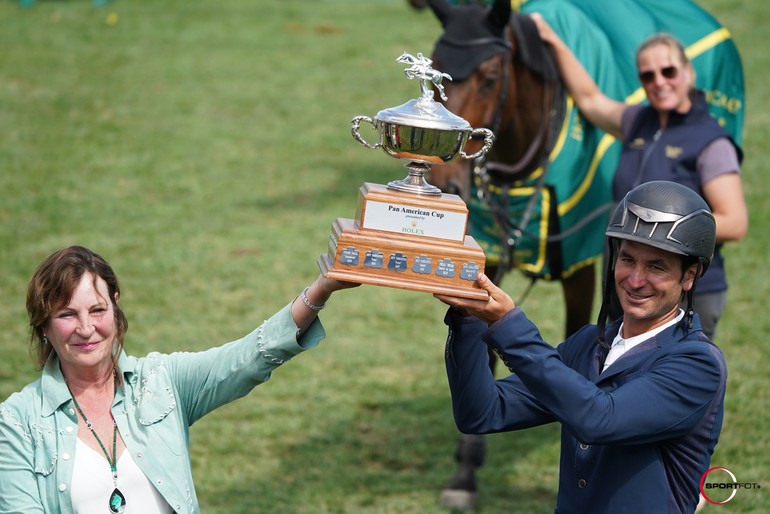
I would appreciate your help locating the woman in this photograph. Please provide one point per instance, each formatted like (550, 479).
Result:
(101, 430)
(673, 138)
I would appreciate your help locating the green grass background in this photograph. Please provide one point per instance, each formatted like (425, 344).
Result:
(204, 149)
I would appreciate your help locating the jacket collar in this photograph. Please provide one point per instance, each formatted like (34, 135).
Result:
(54, 388)
(55, 393)
(671, 335)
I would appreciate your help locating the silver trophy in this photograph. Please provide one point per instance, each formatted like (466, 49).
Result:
(421, 131)
(408, 234)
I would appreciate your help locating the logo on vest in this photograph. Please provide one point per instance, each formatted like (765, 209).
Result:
(673, 152)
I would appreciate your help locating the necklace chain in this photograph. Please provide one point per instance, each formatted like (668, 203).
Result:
(117, 502)
(113, 461)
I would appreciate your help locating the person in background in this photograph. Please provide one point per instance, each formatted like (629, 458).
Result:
(672, 138)
(641, 400)
(101, 431)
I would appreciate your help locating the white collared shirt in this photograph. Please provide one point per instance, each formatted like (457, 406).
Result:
(621, 346)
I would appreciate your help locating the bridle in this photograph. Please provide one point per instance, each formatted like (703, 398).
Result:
(529, 156)
(530, 160)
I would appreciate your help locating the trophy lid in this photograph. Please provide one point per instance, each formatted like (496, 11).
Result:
(421, 131)
(424, 113)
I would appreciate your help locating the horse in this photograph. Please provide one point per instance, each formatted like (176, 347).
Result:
(539, 200)
(512, 88)
(506, 80)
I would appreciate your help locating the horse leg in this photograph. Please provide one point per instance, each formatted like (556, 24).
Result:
(578, 291)
(461, 492)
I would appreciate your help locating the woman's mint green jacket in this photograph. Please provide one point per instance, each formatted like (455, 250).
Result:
(162, 395)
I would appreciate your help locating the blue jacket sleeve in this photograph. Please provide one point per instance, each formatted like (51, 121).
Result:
(662, 397)
(479, 403)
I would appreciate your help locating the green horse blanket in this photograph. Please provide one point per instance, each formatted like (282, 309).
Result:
(569, 211)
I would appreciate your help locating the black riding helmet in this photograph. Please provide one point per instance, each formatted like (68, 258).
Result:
(665, 215)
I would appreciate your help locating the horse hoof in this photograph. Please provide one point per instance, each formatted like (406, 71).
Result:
(458, 499)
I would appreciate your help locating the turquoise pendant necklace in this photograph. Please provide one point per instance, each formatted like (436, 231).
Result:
(117, 502)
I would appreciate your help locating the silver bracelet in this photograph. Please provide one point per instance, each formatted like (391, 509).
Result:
(308, 303)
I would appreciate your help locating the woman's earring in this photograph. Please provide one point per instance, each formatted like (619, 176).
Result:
(45, 340)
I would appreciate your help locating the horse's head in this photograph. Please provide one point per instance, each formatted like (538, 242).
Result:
(473, 45)
(406, 58)
(491, 87)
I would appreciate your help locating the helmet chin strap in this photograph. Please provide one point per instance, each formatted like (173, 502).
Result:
(690, 312)
(609, 285)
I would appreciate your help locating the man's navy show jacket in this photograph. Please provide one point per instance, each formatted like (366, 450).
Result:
(635, 439)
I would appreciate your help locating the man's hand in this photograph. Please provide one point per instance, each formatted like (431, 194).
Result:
(489, 310)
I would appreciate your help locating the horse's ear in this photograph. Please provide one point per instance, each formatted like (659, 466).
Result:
(500, 13)
(531, 49)
(442, 10)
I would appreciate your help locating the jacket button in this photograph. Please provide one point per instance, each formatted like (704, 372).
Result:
(582, 483)
(62, 487)
(65, 456)
(584, 446)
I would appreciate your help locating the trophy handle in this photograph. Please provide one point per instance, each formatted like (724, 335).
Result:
(489, 138)
(355, 124)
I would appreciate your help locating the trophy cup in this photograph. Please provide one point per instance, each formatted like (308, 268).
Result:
(409, 234)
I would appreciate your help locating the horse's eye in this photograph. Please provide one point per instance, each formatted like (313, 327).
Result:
(489, 81)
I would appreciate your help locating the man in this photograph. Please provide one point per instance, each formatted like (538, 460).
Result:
(641, 400)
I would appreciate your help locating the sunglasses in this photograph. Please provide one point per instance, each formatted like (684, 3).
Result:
(669, 72)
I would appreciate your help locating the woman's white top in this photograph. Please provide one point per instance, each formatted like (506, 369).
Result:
(92, 484)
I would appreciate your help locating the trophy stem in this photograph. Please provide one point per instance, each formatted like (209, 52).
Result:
(415, 182)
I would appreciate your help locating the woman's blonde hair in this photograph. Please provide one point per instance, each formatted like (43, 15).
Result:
(664, 38)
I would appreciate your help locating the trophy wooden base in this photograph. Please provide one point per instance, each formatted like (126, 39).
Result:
(426, 256)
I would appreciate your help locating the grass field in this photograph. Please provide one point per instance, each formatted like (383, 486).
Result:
(204, 149)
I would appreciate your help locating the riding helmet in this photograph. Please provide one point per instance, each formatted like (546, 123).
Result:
(666, 215)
